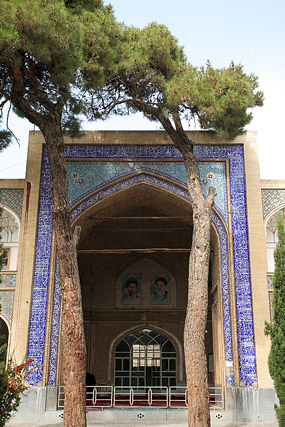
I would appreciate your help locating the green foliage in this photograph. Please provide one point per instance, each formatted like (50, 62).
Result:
(219, 98)
(12, 384)
(45, 47)
(150, 58)
(90, 5)
(153, 72)
(43, 31)
(276, 360)
(5, 137)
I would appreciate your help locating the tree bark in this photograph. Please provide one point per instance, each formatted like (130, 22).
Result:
(74, 350)
(197, 302)
(197, 305)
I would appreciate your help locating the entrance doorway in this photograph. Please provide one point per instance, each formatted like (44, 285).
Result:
(145, 358)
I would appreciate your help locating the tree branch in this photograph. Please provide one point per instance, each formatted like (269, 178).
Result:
(211, 195)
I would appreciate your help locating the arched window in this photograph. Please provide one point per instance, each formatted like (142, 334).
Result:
(9, 224)
(145, 358)
(272, 238)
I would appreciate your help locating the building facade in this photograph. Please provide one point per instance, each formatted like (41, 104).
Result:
(128, 193)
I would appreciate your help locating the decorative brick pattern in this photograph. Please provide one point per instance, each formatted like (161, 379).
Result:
(13, 198)
(271, 199)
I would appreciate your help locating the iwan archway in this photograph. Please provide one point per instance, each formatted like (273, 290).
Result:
(138, 240)
(135, 167)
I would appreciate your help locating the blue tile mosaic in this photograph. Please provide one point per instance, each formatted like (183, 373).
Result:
(225, 286)
(230, 380)
(36, 341)
(246, 345)
(234, 155)
(55, 330)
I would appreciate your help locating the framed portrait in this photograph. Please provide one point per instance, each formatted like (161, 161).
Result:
(131, 288)
(160, 289)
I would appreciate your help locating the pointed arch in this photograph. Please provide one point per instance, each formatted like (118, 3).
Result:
(173, 339)
(85, 207)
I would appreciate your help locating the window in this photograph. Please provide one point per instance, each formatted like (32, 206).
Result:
(145, 358)
(146, 355)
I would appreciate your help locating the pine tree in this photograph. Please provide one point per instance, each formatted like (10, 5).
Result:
(276, 360)
(44, 48)
(155, 78)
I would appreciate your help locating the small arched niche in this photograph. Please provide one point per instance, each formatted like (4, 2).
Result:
(10, 227)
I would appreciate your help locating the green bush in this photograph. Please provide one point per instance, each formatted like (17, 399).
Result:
(12, 384)
(276, 360)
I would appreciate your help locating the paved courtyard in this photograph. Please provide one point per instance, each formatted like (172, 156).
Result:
(214, 424)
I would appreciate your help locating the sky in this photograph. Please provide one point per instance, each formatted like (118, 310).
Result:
(249, 32)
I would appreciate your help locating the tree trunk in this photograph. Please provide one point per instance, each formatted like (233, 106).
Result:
(74, 350)
(197, 306)
(197, 303)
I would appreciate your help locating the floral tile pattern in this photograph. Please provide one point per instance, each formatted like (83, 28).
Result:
(171, 178)
(8, 280)
(271, 199)
(86, 177)
(13, 198)
(7, 301)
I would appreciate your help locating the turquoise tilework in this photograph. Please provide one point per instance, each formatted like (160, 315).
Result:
(8, 280)
(270, 282)
(86, 177)
(7, 301)
(271, 199)
(13, 198)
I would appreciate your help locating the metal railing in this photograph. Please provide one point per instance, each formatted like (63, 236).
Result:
(217, 400)
(177, 397)
(100, 396)
(140, 396)
(103, 396)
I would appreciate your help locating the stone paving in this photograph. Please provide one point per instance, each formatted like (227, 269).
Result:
(214, 424)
